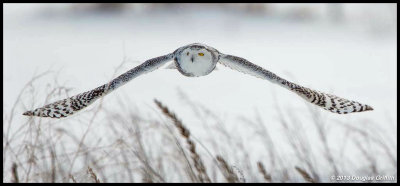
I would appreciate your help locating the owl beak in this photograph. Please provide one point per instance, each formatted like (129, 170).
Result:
(192, 58)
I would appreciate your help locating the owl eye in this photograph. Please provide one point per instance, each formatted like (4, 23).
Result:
(201, 54)
(187, 53)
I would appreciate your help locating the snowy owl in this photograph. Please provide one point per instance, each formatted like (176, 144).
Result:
(196, 60)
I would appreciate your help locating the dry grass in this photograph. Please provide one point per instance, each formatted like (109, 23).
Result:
(229, 175)
(198, 163)
(93, 175)
(267, 177)
(14, 173)
(131, 144)
(305, 175)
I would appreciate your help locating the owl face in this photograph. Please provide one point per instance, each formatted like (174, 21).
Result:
(196, 60)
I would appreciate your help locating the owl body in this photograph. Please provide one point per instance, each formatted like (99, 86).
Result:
(196, 60)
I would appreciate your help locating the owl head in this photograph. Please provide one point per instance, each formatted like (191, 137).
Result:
(196, 59)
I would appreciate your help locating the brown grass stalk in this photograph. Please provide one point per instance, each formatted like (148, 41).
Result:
(305, 175)
(228, 173)
(93, 175)
(15, 173)
(261, 169)
(198, 163)
(72, 178)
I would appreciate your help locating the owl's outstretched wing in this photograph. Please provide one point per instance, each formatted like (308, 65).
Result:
(69, 106)
(327, 101)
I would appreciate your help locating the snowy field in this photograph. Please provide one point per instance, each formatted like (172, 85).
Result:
(227, 112)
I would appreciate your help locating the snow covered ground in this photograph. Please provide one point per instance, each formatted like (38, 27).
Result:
(83, 50)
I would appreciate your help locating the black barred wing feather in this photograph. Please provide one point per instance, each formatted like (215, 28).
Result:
(327, 101)
(69, 106)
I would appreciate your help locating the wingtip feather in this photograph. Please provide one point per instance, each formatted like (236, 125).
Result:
(368, 108)
(28, 113)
